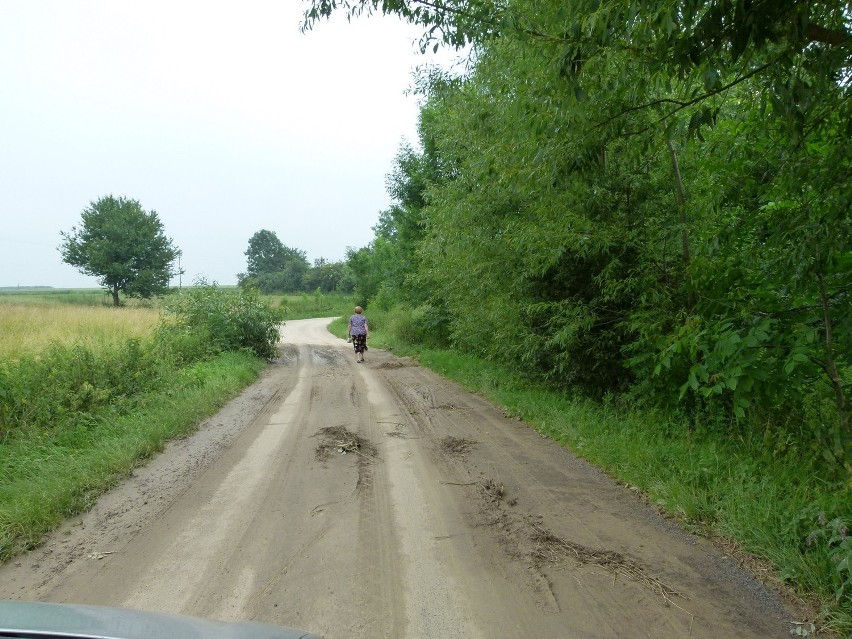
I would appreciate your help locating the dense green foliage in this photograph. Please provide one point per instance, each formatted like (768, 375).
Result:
(644, 200)
(205, 319)
(648, 198)
(123, 245)
(71, 383)
(275, 268)
(328, 277)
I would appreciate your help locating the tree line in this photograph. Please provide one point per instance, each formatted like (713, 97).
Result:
(126, 248)
(273, 267)
(648, 200)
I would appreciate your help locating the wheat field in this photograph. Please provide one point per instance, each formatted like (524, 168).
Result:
(26, 329)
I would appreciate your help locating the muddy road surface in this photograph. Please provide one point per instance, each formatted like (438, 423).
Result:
(378, 500)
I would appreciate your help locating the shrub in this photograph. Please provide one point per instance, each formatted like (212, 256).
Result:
(430, 325)
(74, 382)
(228, 320)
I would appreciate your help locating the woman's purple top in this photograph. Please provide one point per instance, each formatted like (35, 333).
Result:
(358, 324)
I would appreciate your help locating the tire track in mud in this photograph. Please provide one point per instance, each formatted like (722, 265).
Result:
(431, 420)
(376, 574)
(434, 601)
(504, 598)
(251, 589)
(539, 525)
(495, 481)
(376, 553)
(173, 582)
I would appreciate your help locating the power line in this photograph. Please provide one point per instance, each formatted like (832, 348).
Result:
(17, 241)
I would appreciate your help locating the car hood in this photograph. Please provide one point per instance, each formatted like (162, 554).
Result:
(35, 619)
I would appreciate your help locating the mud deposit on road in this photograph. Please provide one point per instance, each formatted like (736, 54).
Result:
(341, 440)
(378, 500)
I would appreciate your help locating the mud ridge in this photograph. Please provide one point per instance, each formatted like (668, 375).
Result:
(340, 440)
(525, 537)
(450, 445)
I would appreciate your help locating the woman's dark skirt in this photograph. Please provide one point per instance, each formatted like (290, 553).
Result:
(360, 343)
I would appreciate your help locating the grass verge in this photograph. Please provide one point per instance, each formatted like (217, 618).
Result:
(47, 475)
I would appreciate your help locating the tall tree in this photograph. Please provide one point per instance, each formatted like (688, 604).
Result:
(123, 245)
(265, 253)
(272, 266)
(649, 195)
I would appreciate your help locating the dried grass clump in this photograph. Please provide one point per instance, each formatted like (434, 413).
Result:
(549, 547)
(456, 445)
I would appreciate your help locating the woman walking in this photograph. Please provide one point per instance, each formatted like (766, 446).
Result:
(358, 331)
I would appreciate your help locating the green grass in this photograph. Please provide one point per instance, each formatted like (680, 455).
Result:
(47, 475)
(771, 507)
(68, 297)
(305, 306)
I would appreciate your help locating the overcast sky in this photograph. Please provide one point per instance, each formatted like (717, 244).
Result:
(220, 116)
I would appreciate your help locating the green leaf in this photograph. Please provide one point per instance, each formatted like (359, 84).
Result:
(710, 77)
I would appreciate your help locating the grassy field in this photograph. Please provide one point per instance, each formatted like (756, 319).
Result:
(304, 305)
(65, 297)
(29, 328)
(30, 320)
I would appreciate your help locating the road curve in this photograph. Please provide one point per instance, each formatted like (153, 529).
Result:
(379, 500)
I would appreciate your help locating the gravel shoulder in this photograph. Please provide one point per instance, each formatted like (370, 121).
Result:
(379, 500)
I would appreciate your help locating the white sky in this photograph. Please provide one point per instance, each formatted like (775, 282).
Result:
(220, 116)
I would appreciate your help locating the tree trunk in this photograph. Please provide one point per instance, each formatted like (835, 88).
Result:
(831, 366)
(115, 295)
(681, 202)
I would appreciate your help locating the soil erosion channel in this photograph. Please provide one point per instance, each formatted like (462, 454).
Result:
(378, 500)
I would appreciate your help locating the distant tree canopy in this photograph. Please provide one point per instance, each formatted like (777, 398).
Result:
(123, 245)
(329, 277)
(273, 267)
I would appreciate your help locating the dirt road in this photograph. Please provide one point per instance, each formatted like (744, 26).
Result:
(378, 500)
